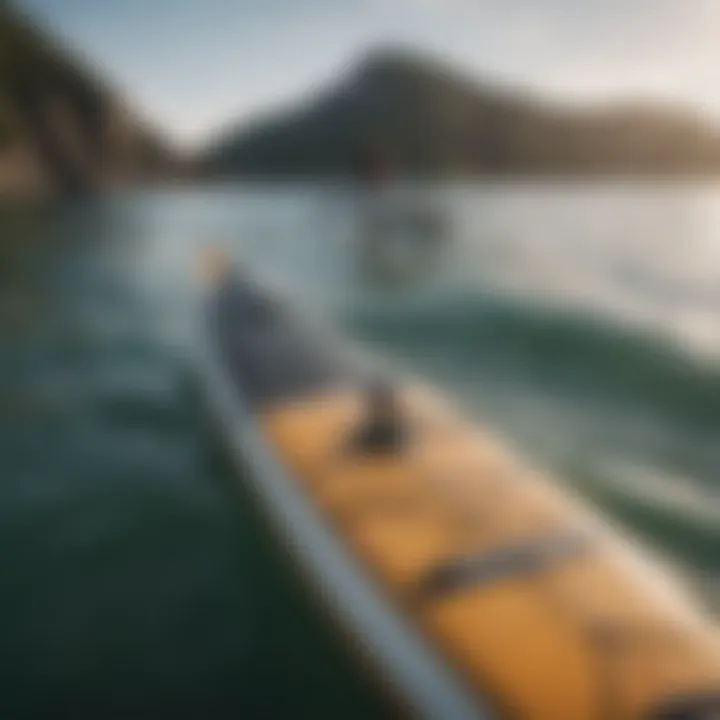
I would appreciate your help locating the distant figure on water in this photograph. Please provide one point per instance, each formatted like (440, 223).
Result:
(401, 234)
(374, 168)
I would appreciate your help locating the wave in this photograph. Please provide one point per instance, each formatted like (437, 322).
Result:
(568, 350)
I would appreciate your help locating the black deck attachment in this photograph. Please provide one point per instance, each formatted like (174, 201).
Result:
(383, 428)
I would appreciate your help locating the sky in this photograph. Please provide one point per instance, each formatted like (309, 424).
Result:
(192, 66)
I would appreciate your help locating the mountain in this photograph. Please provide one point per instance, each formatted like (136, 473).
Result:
(427, 120)
(62, 128)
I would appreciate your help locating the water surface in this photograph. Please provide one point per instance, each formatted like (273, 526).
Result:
(579, 322)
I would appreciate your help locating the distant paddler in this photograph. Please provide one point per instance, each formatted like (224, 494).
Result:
(374, 169)
(402, 233)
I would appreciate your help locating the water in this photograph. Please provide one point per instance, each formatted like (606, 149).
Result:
(577, 321)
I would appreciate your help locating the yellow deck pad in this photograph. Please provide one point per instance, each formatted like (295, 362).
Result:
(597, 634)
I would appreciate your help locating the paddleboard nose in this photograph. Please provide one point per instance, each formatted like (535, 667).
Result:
(271, 353)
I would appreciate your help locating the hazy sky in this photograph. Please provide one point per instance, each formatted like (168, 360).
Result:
(191, 65)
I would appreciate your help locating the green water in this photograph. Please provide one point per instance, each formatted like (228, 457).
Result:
(139, 582)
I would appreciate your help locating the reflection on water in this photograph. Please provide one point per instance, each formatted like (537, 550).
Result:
(576, 321)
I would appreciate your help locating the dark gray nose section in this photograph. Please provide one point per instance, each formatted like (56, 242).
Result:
(271, 353)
